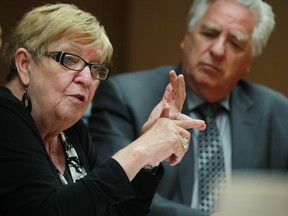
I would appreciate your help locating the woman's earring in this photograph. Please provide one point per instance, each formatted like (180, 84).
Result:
(26, 100)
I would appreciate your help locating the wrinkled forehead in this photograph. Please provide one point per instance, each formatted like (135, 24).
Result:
(238, 35)
(93, 51)
(230, 16)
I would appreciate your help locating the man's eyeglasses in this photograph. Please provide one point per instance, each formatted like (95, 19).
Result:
(76, 63)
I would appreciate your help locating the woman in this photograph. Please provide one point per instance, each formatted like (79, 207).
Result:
(58, 55)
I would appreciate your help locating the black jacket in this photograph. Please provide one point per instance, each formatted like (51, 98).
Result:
(29, 182)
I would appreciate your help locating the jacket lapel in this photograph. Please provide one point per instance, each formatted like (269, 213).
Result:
(244, 119)
(243, 128)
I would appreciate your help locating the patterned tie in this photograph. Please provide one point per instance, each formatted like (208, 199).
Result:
(211, 161)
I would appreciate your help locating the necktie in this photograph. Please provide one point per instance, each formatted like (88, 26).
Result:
(211, 167)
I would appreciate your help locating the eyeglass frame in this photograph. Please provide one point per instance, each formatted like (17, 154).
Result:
(58, 56)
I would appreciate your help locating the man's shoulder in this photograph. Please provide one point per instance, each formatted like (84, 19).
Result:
(141, 80)
(147, 73)
(261, 92)
(139, 86)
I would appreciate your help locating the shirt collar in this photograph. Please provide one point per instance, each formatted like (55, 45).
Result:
(193, 100)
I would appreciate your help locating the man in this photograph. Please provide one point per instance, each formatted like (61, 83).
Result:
(223, 37)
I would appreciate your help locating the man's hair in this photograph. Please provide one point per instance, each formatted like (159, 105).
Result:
(261, 32)
(49, 22)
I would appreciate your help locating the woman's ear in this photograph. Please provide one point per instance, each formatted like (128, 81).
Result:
(22, 60)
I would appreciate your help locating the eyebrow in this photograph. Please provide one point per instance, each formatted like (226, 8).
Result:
(210, 26)
(239, 36)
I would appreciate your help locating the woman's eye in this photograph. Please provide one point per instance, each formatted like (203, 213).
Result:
(69, 59)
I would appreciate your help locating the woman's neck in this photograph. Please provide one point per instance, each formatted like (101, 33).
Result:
(55, 150)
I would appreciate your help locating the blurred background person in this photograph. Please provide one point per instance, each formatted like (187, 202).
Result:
(248, 120)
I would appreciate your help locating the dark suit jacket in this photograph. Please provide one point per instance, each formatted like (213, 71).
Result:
(259, 127)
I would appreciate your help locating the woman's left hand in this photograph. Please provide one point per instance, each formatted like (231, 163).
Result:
(171, 103)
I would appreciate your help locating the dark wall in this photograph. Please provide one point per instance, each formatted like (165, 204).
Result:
(111, 13)
(147, 34)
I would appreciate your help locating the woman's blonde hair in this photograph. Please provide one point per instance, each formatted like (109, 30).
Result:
(47, 23)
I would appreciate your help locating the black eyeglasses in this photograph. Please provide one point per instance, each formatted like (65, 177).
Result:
(76, 63)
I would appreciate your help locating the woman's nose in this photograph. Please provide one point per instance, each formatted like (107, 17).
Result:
(84, 76)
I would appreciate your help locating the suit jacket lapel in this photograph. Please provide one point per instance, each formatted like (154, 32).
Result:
(243, 129)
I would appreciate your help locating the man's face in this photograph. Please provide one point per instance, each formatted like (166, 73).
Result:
(217, 53)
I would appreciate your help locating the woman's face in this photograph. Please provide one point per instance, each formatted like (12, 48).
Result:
(60, 95)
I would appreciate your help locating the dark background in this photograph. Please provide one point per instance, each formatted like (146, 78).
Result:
(147, 33)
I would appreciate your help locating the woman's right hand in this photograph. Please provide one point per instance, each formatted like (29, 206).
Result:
(162, 141)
